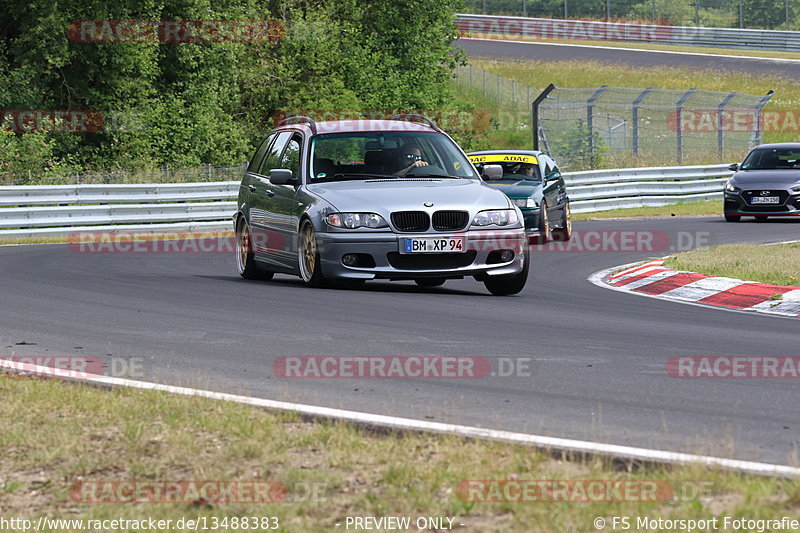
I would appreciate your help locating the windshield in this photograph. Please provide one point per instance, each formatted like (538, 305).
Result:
(772, 158)
(361, 155)
(515, 167)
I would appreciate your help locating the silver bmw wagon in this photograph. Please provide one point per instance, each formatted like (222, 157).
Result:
(348, 201)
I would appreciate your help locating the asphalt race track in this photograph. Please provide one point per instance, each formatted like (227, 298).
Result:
(599, 355)
(642, 58)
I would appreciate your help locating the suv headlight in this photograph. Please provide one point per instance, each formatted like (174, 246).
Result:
(498, 217)
(796, 189)
(356, 220)
(731, 188)
(524, 202)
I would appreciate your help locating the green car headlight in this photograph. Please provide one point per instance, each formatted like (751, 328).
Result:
(524, 202)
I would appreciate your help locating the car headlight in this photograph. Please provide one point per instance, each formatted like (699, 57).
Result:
(498, 217)
(731, 188)
(524, 202)
(356, 220)
(796, 189)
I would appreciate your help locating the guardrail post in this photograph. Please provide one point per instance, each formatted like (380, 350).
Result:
(679, 122)
(759, 106)
(639, 100)
(720, 131)
(590, 119)
(535, 113)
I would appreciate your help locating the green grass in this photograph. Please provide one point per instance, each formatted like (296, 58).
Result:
(55, 434)
(676, 210)
(779, 265)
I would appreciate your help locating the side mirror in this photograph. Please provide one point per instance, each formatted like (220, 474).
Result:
(492, 172)
(734, 167)
(281, 176)
(552, 176)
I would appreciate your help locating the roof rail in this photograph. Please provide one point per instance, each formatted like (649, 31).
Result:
(300, 119)
(411, 117)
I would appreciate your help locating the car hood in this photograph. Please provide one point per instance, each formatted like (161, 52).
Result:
(385, 196)
(516, 189)
(766, 179)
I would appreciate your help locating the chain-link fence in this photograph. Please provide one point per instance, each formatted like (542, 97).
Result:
(757, 14)
(586, 128)
(581, 126)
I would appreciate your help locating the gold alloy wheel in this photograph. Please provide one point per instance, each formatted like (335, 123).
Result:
(308, 252)
(244, 245)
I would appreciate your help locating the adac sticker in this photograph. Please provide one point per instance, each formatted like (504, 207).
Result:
(504, 158)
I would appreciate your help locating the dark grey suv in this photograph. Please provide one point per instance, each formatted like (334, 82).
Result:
(766, 184)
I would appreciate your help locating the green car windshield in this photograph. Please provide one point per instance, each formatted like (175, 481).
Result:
(362, 155)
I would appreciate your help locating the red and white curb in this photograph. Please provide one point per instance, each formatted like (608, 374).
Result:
(654, 279)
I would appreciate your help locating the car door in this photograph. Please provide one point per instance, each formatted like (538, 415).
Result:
(281, 214)
(550, 188)
(264, 240)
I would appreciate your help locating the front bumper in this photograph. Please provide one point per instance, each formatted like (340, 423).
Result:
(735, 204)
(384, 247)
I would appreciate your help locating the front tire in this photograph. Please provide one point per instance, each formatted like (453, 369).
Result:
(544, 225)
(508, 285)
(564, 233)
(732, 218)
(245, 260)
(308, 257)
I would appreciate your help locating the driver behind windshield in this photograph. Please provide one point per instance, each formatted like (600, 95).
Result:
(409, 156)
(527, 169)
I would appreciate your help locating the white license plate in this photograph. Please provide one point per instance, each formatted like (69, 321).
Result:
(765, 200)
(431, 245)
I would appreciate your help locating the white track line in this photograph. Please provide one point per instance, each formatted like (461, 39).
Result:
(579, 446)
(758, 58)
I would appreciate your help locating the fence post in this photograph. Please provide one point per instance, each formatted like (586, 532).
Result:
(513, 96)
(759, 106)
(720, 133)
(535, 113)
(636, 104)
(524, 8)
(590, 119)
(678, 121)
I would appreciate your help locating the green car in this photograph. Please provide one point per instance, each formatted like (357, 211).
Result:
(532, 181)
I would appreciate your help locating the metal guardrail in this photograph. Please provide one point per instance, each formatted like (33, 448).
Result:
(540, 28)
(600, 190)
(50, 210)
